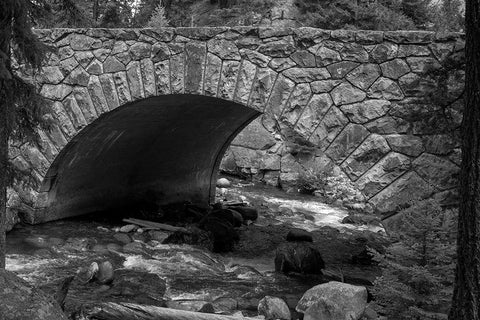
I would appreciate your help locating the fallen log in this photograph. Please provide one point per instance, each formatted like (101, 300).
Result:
(131, 311)
(155, 225)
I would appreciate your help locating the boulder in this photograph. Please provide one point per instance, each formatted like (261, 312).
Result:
(223, 183)
(333, 301)
(273, 308)
(298, 257)
(299, 235)
(19, 300)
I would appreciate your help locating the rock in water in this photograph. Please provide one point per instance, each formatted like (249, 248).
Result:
(128, 228)
(19, 300)
(301, 257)
(273, 308)
(333, 300)
(229, 215)
(105, 272)
(223, 183)
(87, 274)
(299, 235)
(224, 235)
(248, 213)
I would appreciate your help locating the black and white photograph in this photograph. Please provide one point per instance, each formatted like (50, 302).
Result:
(239, 159)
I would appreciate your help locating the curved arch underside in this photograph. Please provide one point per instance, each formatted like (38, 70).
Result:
(160, 150)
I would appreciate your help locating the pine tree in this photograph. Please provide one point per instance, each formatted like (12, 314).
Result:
(466, 296)
(417, 269)
(158, 18)
(18, 100)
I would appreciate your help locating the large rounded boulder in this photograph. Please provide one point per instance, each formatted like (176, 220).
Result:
(333, 301)
(20, 301)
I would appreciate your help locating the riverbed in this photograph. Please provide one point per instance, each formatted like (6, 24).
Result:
(46, 254)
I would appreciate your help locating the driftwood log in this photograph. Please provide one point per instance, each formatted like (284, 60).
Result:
(155, 225)
(131, 311)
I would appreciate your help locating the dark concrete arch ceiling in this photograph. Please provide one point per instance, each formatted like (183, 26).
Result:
(162, 149)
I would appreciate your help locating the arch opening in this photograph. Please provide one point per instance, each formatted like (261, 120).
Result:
(154, 151)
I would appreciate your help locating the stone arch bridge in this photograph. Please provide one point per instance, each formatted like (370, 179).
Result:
(146, 115)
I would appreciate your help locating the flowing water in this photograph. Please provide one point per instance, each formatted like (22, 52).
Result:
(46, 254)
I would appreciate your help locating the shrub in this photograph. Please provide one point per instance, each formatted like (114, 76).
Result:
(417, 268)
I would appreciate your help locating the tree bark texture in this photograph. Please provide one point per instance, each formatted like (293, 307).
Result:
(131, 311)
(466, 296)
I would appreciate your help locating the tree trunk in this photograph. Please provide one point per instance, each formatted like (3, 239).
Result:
(5, 99)
(466, 295)
(3, 170)
(131, 311)
(95, 10)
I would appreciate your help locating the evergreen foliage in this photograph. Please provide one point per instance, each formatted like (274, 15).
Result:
(158, 18)
(19, 107)
(382, 14)
(417, 268)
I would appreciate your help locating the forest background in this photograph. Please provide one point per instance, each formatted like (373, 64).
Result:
(435, 15)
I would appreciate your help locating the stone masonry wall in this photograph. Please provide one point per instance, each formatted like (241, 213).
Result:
(355, 108)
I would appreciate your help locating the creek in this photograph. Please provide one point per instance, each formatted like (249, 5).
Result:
(46, 254)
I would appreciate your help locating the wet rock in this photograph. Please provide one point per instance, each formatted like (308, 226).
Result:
(123, 238)
(86, 275)
(191, 305)
(223, 183)
(333, 300)
(138, 287)
(248, 213)
(273, 308)
(195, 236)
(225, 304)
(133, 247)
(104, 274)
(19, 300)
(159, 236)
(114, 247)
(232, 216)
(39, 242)
(79, 244)
(128, 228)
(99, 248)
(224, 234)
(139, 237)
(299, 257)
(299, 235)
